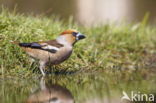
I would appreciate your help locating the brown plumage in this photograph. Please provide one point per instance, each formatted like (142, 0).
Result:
(52, 51)
(68, 32)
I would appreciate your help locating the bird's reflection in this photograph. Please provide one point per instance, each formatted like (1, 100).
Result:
(50, 93)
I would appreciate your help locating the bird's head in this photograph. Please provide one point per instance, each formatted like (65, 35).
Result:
(70, 37)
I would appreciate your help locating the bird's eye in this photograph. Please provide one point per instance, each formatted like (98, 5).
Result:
(74, 34)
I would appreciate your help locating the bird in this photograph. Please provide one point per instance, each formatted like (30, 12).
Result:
(52, 52)
(47, 92)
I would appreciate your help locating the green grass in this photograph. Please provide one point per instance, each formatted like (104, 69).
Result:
(111, 59)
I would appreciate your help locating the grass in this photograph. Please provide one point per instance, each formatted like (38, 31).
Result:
(111, 59)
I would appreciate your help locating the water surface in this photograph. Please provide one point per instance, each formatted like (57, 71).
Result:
(99, 87)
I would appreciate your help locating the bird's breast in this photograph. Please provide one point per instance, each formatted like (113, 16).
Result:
(61, 55)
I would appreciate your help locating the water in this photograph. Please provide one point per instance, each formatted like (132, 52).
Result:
(98, 87)
(49, 92)
(87, 12)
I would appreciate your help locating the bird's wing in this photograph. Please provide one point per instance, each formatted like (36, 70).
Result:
(51, 46)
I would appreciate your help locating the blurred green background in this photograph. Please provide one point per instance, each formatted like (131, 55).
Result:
(87, 12)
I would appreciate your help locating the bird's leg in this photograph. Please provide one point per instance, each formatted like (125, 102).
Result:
(42, 83)
(42, 67)
(50, 69)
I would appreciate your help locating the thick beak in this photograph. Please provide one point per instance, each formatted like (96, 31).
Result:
(80, 36)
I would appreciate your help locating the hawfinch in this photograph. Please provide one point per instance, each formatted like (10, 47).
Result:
(52, 51)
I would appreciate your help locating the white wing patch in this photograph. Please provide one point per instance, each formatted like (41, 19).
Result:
(50, 47)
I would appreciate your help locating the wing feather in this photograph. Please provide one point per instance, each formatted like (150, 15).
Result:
(51, 46)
